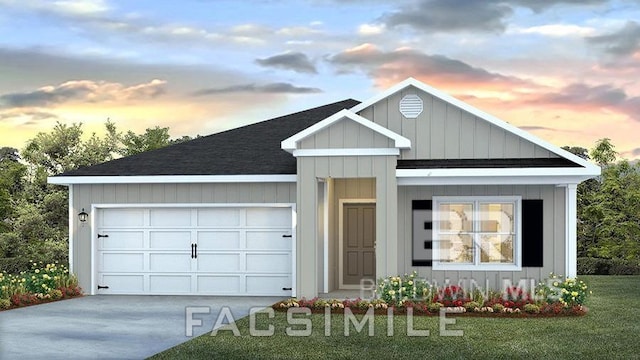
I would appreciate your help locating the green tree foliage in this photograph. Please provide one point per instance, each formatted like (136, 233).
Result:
(578, 151)
(611, 214)
(609, 207)
(604, 152)
(63, 150)
(34, 214)
(12, 173)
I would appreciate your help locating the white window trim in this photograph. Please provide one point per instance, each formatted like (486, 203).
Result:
(517, 246)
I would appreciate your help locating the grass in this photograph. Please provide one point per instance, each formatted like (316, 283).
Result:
(610, 330)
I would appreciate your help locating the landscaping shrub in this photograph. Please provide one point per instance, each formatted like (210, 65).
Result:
(397, 290)
(600, 266)
(451, 295)
(471, 306)
(13, 265)
(497, 307)
(568, 292)
(41, 284)
(434, 307)
(531, 308)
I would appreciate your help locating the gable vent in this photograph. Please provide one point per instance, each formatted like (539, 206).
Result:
(411, 106)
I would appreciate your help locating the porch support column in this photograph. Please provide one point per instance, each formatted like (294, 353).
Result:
(306, 230)
(386, 216)
(571, 242)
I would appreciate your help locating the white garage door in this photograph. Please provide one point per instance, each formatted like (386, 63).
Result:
(214, 250)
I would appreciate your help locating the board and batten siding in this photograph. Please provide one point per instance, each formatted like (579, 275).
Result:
(553, 231)
(346, 134)
(224, 193)
(444, 131)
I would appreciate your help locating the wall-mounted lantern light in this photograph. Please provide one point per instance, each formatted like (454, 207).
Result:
(83, 216)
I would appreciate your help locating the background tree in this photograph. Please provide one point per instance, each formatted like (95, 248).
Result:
(604, 152)
(578, 151)
(33, 213)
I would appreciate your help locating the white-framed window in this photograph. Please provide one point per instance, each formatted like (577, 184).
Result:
(477, 233)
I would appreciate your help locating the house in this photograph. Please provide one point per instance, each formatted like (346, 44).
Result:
(411, 179)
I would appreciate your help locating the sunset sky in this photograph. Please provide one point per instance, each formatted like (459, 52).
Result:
(566, 70)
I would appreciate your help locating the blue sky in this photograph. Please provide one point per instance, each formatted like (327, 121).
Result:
(563, 69)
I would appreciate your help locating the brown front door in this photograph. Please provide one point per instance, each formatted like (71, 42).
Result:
(359, 242)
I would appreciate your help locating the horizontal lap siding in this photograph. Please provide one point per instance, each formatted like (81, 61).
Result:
(444, 131)
(86, 195)
(553, 230)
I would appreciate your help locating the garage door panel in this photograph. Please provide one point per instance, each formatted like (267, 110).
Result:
(170, 262)
(170, 284)
(118, 240)
(122, 262)
(216, 284)
(222, 217)
(170, 217)
(240, 250)
(260, 285)
(219, 263)
(270, 263)
(122, 217)
(269, 217)
(218, 240)
(268, 240)
(170, 240)
(123, 284)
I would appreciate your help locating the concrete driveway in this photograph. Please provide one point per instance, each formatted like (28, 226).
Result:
(111, 327)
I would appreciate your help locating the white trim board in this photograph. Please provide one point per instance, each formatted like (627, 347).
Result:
(347, 152)
(170, 179)
(493, 176)
(571, 242)
(290, 144)
(72, 217)
(479, 113)
(341, 202)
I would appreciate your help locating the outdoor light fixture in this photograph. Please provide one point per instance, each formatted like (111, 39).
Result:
(83, 216)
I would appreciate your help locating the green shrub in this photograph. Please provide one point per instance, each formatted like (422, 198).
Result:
(531, 308)
(434, 307)
(498, 307)
(396, 289)
(471, 305)
(567, 291)
(600, 266)
(5, 304)
(13, 265)
(477, 295)
(623, 267)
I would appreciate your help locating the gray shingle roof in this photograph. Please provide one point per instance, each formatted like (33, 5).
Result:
(249, 150)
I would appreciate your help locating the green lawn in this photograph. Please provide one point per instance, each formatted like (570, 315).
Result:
(610, 330)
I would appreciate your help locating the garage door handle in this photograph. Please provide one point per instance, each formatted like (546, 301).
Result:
(101, 236)
(195, 252)
(286, 236)
(192, 256)
(102, 287)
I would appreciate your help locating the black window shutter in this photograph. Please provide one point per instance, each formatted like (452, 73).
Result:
(428, 225)
(532, 233)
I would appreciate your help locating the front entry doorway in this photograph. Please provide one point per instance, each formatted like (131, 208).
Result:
(358, 242)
